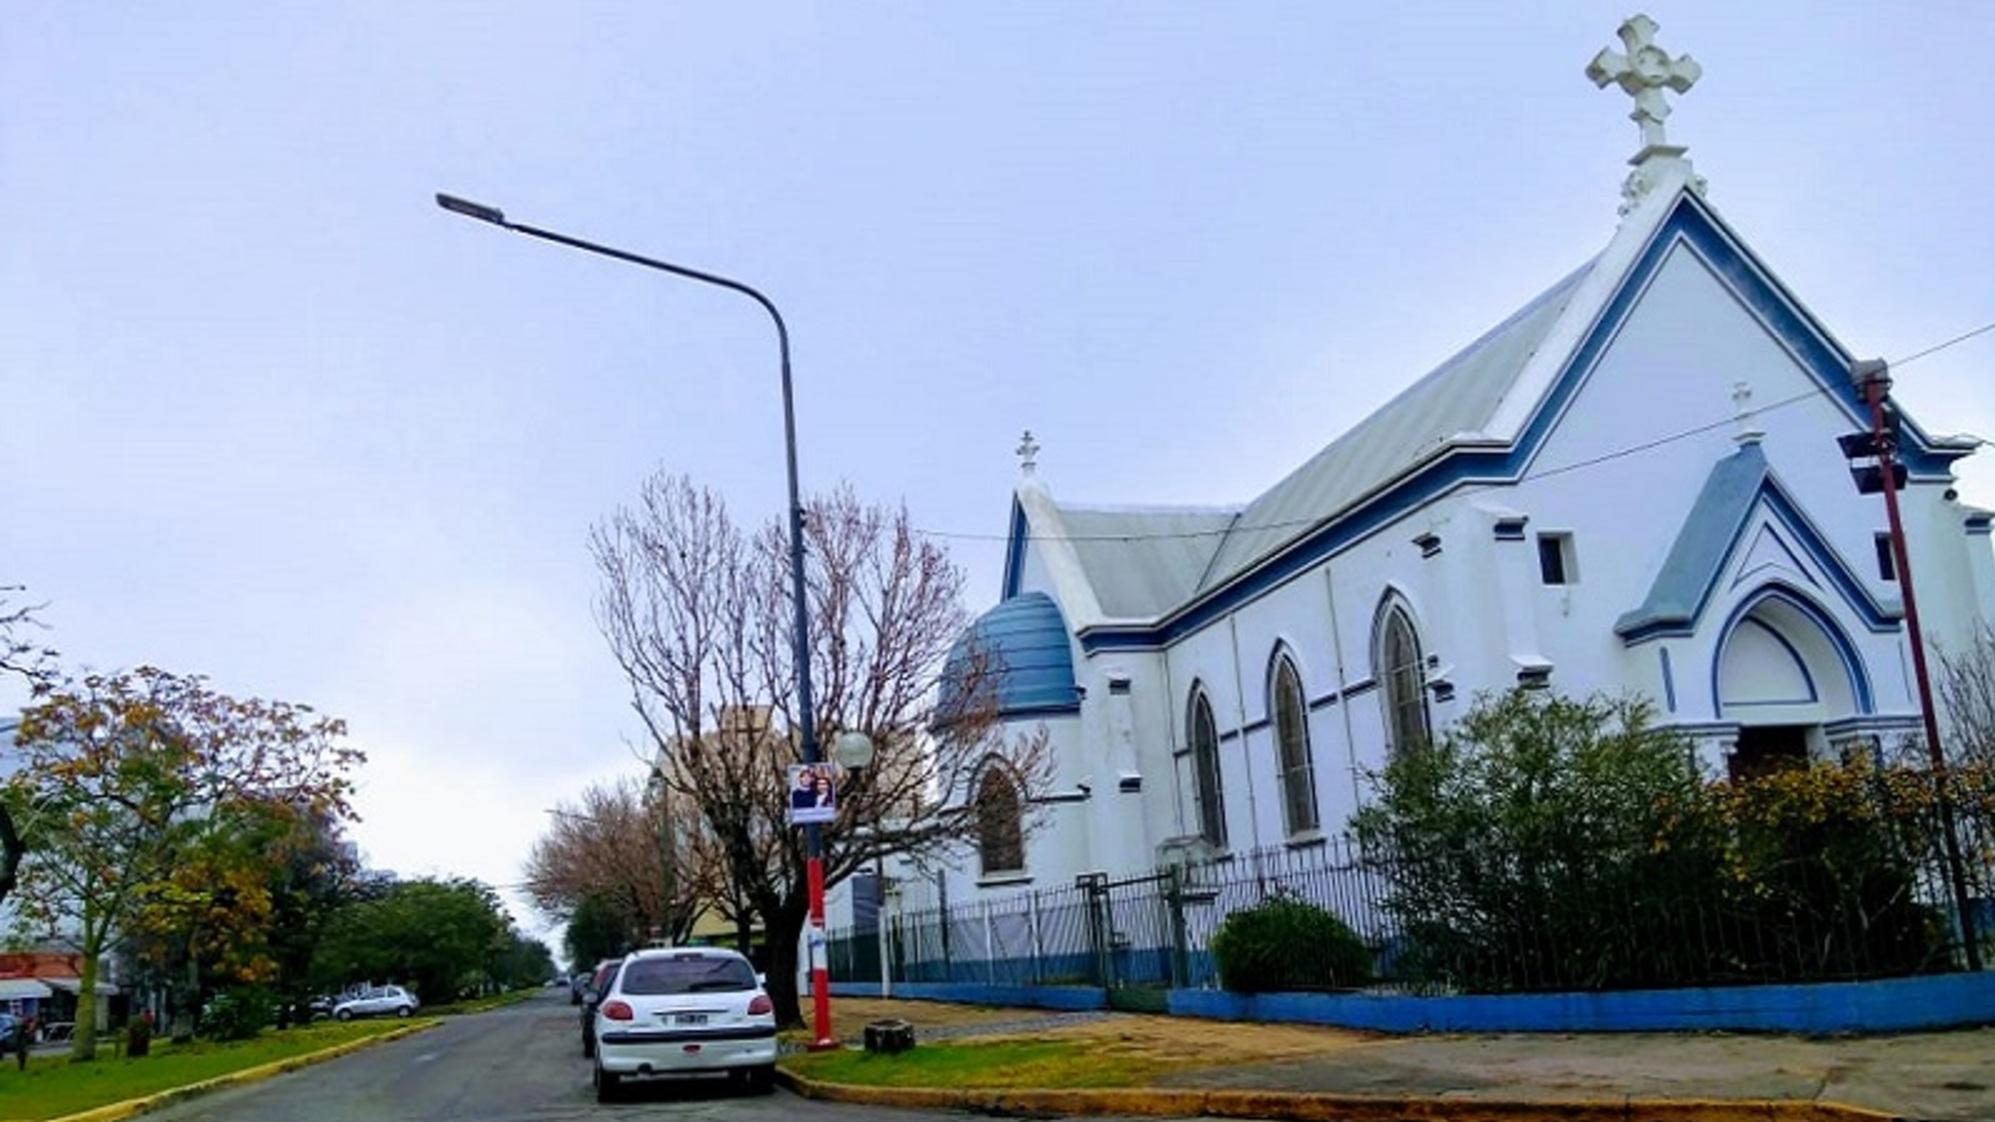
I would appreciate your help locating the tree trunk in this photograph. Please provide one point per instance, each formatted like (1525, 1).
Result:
(83, 1045)
(11, 851)
(784, 929)
(744, 933)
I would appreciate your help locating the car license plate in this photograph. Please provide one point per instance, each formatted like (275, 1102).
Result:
(692, 1018)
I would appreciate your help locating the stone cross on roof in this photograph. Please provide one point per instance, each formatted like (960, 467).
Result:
(1028, 453)
(1644, 73)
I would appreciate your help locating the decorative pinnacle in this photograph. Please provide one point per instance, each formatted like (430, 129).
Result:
(1745, 415)
(1028, 454)
(1643, 73)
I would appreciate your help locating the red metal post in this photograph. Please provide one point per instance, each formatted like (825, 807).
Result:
(1874, 390)
(820, 974)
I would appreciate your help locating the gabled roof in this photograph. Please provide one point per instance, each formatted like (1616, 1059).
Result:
(1142, 563)
(1710, 534)
(1456, 398)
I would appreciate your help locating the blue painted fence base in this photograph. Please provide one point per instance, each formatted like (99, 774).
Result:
(1884, 1005)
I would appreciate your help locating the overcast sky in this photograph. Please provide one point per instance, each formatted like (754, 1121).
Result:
(269, 415)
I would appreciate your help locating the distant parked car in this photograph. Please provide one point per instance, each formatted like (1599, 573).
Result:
(684, 1010)
(8, 1022)
(599, 984)
(382, 1001)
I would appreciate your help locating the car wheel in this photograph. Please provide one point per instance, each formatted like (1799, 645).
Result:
(402, 1011)
(344, 1015)
(761, 1080)
(607, 1085)
(588, 1045)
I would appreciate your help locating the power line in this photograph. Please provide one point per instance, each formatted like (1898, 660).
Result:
(1619, 453)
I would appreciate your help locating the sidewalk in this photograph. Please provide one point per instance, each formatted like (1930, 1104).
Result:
(1947, 1075)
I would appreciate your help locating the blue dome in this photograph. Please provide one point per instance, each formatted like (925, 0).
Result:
(1026, 639)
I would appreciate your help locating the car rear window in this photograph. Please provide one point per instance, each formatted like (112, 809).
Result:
(688, 974)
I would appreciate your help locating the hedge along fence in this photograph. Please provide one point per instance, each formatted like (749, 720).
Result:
(1826, 873)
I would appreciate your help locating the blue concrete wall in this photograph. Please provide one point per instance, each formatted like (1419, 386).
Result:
(1885, 1005)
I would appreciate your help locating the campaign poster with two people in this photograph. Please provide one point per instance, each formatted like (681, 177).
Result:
(813, 793)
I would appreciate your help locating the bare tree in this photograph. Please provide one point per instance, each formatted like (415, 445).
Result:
(624, 845)
(1967, 695)
(698, 616)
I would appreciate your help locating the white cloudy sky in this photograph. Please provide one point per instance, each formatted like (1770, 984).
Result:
(265, 413)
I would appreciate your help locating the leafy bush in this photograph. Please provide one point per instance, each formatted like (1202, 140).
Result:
(238, 1013)
(1555, 843)
(1285, 944)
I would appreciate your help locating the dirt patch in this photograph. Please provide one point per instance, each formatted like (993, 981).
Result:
(1181, 1042)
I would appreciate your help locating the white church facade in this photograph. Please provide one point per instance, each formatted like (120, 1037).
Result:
(1631, 485)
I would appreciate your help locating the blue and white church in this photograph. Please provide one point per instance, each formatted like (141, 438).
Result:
(1551, 507)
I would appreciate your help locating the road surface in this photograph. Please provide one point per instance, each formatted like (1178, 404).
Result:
(519, 1064)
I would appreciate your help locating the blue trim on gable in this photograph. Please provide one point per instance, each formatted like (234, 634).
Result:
(1669, 679)
(1014, 549)
(1787, 594)
(1456, 466)
(1712, 535)
(1979, 522)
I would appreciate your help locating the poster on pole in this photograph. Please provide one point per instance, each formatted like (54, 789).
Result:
(813, 793)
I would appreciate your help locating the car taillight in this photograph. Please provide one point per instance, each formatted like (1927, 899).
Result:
(616, 1011)
(760, 1004)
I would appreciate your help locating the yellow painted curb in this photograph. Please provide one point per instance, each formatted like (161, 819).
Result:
(1310, 1106)
(113, 1112)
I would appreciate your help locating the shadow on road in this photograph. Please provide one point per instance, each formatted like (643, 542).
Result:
(684, 1089)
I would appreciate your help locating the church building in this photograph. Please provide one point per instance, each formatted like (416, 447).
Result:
(1633, 484)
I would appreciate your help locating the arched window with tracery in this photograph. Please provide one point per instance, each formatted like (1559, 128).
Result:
(1203, 736)
(1289, 714)
(1000, 823)
(1402, 679)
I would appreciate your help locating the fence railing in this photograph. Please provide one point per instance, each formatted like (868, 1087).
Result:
(1835, 907)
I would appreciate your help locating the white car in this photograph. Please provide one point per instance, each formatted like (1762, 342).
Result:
(381, 1001)
(684, 1010)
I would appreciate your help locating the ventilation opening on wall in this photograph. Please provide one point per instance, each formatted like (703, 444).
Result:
(1887, 565)
(1556, 563)
(1118, 686)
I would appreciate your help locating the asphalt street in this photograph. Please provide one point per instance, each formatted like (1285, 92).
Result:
(519, 1064)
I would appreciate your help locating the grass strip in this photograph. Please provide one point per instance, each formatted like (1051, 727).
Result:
(998, 1065)
(52, 1086)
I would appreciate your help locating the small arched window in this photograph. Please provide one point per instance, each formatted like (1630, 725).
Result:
(1203, 736)
(1289, 712)
(1000, 828)
(1402, 680)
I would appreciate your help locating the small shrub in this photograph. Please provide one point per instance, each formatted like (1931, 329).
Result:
(1285, 944)
(237, 1013)
(138, 1036)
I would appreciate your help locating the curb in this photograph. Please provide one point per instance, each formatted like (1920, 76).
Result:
(1309, 1106)
(113, 1112)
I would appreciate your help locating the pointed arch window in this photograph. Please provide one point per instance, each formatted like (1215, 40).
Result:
(1000, 825)
(1402, 680)
(1203, 736)
(1289, 713)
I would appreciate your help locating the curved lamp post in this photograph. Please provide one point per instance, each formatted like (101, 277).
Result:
(820, 981)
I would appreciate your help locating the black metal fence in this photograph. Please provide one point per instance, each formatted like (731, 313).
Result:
(1843, 905)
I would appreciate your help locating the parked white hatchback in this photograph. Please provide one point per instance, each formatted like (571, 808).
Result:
(379, 1001)
(684, 1010)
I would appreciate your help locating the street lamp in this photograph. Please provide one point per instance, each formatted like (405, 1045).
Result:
(813, 834)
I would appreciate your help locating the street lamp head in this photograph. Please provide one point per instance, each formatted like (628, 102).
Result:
(469, 209)
(852, 749)
(1871, 371)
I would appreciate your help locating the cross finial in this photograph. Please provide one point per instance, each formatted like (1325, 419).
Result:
(1644, 73)
(1028, 454)
(1745, 415)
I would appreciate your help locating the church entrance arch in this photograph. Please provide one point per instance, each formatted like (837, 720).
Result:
(1783, 668)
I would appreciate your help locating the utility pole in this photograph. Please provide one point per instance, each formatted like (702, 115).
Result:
(1873, 378)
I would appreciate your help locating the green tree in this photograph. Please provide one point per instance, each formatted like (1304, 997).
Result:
(440, 937)
(130, 773)
(597, 929)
